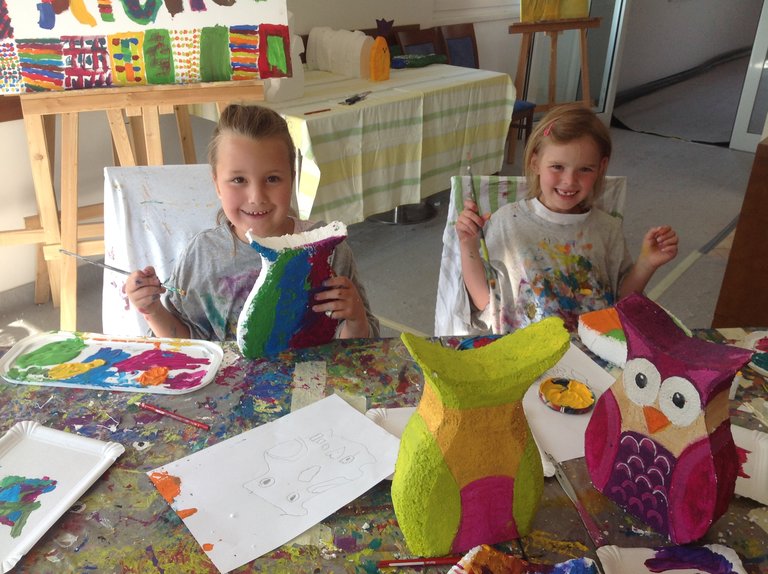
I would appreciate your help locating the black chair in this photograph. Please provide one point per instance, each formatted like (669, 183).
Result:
(420, 42)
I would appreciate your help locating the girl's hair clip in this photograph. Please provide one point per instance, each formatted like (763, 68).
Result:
(548, 129)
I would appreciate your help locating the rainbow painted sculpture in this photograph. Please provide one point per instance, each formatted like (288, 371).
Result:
(659, 441)
(468, 471)
(278, 314)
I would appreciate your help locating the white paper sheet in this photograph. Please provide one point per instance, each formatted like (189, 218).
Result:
(560, 434)
(260, 489)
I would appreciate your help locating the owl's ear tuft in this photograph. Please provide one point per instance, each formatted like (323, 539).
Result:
(654, 334)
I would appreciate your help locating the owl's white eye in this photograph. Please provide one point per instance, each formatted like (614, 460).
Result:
(641, 381)
(679, 401)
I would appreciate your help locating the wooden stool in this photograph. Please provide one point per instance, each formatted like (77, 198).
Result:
(522, 120)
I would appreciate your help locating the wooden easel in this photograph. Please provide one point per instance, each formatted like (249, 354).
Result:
(552, 28)
(141, 106)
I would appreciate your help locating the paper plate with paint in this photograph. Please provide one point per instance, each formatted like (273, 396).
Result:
(567, 396)
(679, 559)
(44, 472)
(96, 361)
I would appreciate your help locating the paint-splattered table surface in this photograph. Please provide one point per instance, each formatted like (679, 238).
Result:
(122, 524)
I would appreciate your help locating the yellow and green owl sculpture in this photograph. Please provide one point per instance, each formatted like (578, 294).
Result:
(468, 471)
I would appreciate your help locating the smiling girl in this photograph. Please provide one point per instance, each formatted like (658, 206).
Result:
(252, 160)
(553, 253)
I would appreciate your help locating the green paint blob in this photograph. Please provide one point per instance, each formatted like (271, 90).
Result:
(760, 360)
(52, 353)
(214, 54)
(617, 334)
(375, 544)
(158, 57)
(276, 53)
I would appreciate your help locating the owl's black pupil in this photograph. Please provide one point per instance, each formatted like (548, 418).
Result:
(641, 380)
(678, 400)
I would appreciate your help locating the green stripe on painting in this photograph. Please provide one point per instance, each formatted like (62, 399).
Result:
(158, 57)
(214, 54)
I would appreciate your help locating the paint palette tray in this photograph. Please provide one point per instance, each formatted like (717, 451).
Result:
(44, 472)
(104, 362)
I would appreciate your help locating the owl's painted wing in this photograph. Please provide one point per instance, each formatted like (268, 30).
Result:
(696, 500)
(429, 510)
(601, 439)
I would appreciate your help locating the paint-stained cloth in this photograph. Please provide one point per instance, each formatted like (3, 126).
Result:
(219, 271)
(548, 264)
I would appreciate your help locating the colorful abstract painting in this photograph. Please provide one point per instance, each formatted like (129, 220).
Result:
(96, 361)
(18, 499)
(77, 44)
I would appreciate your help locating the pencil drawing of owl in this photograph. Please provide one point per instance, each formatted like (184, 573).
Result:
(468, 471)
(659, 441)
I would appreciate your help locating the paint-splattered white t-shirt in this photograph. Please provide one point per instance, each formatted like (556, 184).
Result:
(549, 265)
(218, 272)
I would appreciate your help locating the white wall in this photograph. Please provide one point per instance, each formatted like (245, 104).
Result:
(665, 37)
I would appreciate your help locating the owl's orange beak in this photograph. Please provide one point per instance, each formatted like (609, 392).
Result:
(655, 419)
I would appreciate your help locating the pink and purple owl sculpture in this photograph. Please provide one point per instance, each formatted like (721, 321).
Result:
(659, 441)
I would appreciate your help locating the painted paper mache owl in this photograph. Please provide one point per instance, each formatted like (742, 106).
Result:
(278, 314)
(468, 471)
(659, 441)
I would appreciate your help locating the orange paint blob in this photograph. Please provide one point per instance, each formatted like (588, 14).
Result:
(186, 512)
(207, 546)
(168, 485)
(154, 376)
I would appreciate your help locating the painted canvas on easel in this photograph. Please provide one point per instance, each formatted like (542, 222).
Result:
(74, 44)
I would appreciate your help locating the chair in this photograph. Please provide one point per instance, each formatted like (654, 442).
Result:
(522, 121)
(391, 36)
(460, 45)
(492, 192)
(420, 42)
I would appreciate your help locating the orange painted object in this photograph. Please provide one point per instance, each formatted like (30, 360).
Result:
(380, 62)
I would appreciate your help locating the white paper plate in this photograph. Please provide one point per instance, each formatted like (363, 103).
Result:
(31, 452)
(112, 363)
(394, 421)
(616, 560)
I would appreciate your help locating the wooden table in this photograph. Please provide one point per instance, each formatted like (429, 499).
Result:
(400, 144)
(122, 524)
(552, 28)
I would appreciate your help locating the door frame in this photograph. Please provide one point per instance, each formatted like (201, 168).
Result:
(741, 138)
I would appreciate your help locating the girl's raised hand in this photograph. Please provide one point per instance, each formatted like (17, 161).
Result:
(659, 246)
(341, 300)
(143, 288)
(469, 223)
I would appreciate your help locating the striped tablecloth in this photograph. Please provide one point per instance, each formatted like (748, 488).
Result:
(400, 144)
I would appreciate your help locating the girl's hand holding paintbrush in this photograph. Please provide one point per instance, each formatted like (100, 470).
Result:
(477, 274)
(144, 288)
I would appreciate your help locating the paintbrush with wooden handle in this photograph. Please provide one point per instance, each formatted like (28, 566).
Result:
(181, 292)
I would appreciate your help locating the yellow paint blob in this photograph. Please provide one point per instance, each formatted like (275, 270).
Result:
(67, 370)
(80, 12)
